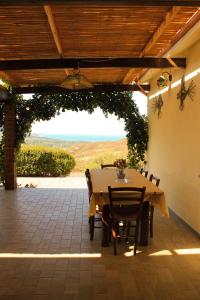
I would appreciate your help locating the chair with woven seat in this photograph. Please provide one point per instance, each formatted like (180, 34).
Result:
(156, 181)
(144, 173)
(97, 217)
(125, 206)
(107, 166)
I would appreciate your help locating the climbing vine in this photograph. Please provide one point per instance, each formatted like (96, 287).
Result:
(46, 106)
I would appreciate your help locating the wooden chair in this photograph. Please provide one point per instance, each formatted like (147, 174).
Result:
(143, 172)
(107, 166)
(129, 212)
(156, 181)
(97, 217)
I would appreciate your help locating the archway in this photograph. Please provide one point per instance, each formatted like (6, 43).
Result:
(44, 106)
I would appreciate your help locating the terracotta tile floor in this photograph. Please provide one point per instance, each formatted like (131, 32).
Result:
(45, 253)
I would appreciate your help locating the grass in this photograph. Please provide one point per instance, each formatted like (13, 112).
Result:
(87, 154)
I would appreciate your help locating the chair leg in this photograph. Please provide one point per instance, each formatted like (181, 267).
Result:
(151, 220)
(128, 225)
(114, 237)
(91, 222)
(136, 237)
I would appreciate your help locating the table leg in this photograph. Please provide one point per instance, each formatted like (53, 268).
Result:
(105, 227)
(144, 229)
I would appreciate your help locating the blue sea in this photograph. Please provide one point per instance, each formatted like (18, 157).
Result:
(83, 138)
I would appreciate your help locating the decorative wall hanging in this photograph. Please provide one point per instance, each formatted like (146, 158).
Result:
(164, 80)
(157, 105)
(183, 93)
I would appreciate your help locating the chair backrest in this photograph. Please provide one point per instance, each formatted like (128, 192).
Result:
(107, 166)
(126, 199)
(154, 179)
(89, 182)
(87, 173)
(143, 172)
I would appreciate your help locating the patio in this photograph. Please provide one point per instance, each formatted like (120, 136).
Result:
(45, 252)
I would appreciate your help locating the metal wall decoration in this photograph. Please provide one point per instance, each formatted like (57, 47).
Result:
(157, 105)
(183, 93)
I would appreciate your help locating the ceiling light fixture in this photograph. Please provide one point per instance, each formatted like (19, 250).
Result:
(76, 81)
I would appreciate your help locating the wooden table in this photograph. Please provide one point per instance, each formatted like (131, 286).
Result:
(102, 178)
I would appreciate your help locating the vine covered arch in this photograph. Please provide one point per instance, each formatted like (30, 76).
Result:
(42, 107)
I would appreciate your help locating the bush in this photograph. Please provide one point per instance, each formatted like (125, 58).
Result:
(43, 161)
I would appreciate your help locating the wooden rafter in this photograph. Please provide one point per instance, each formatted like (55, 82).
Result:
(182, 32)
(194, 3)
(5, 76)
(54, 31)
(158, 32)
(96, 88)
(135, 62)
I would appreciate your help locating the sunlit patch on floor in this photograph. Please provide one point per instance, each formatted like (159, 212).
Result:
(161, 253)
(45, 255)
(130, 253)
(187, 251)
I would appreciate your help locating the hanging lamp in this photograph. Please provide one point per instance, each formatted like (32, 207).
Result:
(76, 81)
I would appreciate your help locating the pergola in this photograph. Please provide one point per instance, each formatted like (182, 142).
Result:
(112, 43)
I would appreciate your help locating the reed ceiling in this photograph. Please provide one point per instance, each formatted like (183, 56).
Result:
(31, 32)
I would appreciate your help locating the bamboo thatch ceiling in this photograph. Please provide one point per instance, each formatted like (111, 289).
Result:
(32, 32)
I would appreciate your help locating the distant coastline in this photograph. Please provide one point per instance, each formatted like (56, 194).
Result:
(81, 138)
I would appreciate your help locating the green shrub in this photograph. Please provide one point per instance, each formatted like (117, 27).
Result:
(43, 161)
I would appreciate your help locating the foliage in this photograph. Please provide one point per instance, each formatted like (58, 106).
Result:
(43, 161)
(47, 105)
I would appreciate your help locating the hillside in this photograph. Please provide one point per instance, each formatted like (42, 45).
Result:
(39, 140)
(86, 154)
(91, 155)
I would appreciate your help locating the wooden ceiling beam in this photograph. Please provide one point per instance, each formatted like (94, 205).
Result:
(194, 20)
(156, 35)
(135, 62)
(194, 3)
(54, 32)
(97, 88)
(6, 77)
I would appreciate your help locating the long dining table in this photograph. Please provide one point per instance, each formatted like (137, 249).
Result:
(102, 178)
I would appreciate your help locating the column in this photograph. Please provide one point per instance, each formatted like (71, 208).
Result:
(9, 146)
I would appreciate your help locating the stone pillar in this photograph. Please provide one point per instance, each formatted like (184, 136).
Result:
(9, 146)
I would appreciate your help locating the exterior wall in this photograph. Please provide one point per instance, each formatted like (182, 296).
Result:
(174, 144)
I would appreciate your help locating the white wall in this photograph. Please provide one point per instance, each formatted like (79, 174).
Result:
(174, 144)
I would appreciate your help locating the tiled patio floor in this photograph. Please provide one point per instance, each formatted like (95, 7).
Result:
(45, 253)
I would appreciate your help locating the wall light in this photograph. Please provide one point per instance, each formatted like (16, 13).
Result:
(176, 83)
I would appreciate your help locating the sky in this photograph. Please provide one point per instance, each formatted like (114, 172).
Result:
(83, 123)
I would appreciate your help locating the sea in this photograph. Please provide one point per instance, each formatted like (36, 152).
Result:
(83, 138)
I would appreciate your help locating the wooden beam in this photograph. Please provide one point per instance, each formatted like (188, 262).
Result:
(5, 77)
(4, 94)
(194, 20)
(97, 88)
(156, 35)
(135, 62)
(54, 32)
(194, 3)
